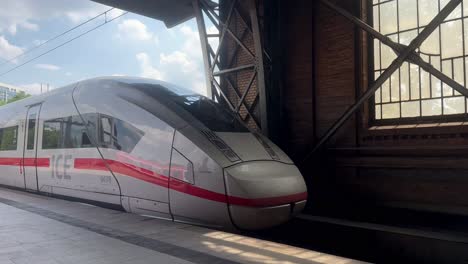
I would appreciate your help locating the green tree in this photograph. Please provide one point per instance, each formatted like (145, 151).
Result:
(18, 96)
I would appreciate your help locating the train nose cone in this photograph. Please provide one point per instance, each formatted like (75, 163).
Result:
(262, 194)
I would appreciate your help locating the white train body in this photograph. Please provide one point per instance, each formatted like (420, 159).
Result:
(150, 148)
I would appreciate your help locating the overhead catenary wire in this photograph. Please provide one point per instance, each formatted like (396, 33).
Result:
(61, 45)
(55, 37)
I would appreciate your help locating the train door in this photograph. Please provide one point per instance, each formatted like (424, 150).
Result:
(30, 148)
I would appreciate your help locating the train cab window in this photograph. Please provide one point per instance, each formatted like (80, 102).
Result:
(127, 136)
(31, 131)
(118, 134)
(212, 114)
(8, 138)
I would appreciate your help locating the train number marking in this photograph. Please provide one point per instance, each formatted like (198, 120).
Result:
(106, 179)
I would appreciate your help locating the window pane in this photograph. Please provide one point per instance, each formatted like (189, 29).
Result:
(106, 130)
(406, 10)
(391, 110)
(8, 140)
(67, 132)
(126, 135)
(436, 87)
(31, 131)
(376, 18)
(410, 109)
(395, 86)
(377, 96)
(76, 134)
(454, 105)
(376, 54)
(428, 9)
(52, 134)
(425, 85)
(458, 75)
(405, 84)
(386, 92)
(414, 74)
(378, 113)
(452, 39)
(431, 107)
(388, 17)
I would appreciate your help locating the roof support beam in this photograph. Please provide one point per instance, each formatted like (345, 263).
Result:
(222, 71)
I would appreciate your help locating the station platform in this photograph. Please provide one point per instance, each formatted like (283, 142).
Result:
(44, 230)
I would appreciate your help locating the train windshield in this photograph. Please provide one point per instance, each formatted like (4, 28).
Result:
(212, 114)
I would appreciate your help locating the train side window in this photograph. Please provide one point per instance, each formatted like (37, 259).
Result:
(67, 132)
(31, 131)
(75, 133)
(8, 138)
(106, 130)
(52, 134)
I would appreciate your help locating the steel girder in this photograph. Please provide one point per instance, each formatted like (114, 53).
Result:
(221, 67)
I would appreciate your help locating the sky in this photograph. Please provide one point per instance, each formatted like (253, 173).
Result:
(131, 45)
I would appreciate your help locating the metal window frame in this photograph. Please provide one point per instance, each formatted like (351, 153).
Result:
(421, 119)
(404, 54)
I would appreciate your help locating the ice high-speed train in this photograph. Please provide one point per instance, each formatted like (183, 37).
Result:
(150, 148)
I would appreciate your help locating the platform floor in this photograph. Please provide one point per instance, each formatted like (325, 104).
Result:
(39, 229)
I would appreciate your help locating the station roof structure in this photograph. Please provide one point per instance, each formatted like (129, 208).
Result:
(171, 12)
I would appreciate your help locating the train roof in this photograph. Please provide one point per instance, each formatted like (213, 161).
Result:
(91, 83)
(139, 81)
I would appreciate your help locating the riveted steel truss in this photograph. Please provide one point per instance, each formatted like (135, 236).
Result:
(404, 53)
(239, 83)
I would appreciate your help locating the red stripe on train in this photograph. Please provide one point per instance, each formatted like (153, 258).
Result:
(190, 189)
(122, 168)
(28, 162)
(271, 201)
(180, 186)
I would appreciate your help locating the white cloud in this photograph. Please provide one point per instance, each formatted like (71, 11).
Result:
(183, 67)
(38, 42)
(181, 59)
(8, 50)
(68, 74)
(191, 46)
(80, 15)
(134, 29)
(147, 69)
(49, 67)
(35, 88)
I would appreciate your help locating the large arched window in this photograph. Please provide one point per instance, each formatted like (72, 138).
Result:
(412, 94)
